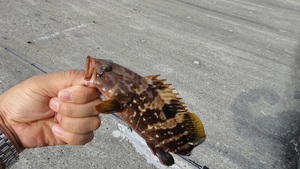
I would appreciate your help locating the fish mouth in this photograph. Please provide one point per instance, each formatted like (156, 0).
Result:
(90, 70)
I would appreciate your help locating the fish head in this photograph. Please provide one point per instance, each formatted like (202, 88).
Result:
(110, 78)
(99, 73)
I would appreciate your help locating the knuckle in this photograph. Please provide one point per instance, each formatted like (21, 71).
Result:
(81, 139)
(70, 74)
(73, 140)
(63, 122)
(83, 94)
(96, 122)
(90, 138)
(66, 109)
(67, 123)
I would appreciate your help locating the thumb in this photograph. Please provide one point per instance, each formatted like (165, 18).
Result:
(50, 84)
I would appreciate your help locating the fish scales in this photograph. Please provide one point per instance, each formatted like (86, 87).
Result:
(149, 106)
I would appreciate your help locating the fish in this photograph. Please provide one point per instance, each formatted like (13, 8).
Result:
(151, 107)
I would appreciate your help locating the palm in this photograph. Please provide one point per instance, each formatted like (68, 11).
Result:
(31, 117)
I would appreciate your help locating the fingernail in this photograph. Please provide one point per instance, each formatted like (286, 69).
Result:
(65, 96)
(57, 130)
(89, 84)
(54, 105)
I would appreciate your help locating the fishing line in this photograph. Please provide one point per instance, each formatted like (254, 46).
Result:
(20, 57)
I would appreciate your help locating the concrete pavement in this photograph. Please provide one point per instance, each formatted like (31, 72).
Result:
(235, 63)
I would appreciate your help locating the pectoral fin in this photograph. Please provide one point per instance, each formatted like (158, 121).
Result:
(109, 106)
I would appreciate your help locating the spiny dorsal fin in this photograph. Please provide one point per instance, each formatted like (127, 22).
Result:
(168, 94)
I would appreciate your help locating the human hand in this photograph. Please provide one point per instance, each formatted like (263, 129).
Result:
(27, 110)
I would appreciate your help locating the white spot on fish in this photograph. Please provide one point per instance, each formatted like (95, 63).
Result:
(149, 127)
(162, 116)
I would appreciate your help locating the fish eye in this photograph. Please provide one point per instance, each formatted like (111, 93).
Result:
(106, 68)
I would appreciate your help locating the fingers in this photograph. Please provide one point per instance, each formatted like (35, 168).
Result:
(76, 114)
(72, 138)
(76, 101)
(50, 84)
(74, 110)
(78, 94)
(76, 131)
(79, 125)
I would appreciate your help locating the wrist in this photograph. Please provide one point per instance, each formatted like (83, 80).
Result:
(10, 146)
(6, 129)
(8, 152)
(11, 136)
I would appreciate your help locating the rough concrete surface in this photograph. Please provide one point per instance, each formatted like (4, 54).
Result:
(236, 63)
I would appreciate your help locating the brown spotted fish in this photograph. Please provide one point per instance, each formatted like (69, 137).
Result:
(149, 106)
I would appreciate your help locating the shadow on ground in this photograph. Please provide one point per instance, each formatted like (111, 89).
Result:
(297, 94)
(277, 133)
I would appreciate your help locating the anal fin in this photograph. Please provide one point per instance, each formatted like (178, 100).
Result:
(164, 157)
